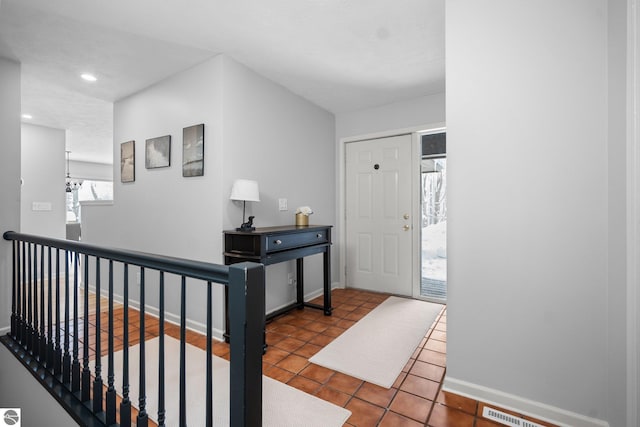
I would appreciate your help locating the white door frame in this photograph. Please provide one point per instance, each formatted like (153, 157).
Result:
(415, 202)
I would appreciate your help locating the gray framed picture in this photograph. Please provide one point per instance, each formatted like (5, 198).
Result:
(193, 151)
(127, 161)
(158, 152)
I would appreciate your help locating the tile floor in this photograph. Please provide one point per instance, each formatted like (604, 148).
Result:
(415, 399)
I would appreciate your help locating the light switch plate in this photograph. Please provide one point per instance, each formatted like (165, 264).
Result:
(41, 206)
(282, 204)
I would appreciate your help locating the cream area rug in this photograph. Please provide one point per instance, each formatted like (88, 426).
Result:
(378, 346)
(282, 405)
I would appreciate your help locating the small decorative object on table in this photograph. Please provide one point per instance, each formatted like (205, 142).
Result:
(302, 215)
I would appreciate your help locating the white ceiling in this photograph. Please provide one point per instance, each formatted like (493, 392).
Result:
(343, 55)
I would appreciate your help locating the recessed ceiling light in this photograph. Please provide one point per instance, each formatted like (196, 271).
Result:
(27, 116)
(89, 77)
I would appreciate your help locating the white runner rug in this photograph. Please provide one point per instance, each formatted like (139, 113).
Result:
(378, 346)
(282, 405)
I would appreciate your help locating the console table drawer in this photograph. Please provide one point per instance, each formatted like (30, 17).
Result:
(279, 242)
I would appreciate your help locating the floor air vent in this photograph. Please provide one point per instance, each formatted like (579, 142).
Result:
(506, 419)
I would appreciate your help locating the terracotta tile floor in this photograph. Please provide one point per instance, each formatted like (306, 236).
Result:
(415, 399)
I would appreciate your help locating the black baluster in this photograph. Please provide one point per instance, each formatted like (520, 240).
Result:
(23, 313)
(66, 356)
(125, 404)
(50, 347)
(29, 336)
(35, 343)
(75, 365)
(209, 373)
(15, 309)
(183, 339)
(86, 371)
(161, 389)
(97, 382)
(57, 368)
(142, 419)
(14, 290)
(111, 391)
(42, 334)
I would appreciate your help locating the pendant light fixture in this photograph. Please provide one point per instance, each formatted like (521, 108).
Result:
(70, 185)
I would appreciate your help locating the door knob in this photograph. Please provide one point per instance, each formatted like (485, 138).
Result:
(406, 227)
(405, 216)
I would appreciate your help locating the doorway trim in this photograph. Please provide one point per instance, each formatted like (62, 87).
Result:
(415, 132)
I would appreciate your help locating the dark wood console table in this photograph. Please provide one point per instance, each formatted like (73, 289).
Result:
(271, 245)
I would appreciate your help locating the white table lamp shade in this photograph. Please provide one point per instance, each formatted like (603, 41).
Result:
(246, 190)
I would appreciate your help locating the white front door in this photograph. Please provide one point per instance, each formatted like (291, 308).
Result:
(379, 215)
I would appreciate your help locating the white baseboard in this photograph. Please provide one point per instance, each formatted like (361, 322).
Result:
(308, 297)
(5, 330)
(319, 292)
(519, 404)
(337, 285)
(169, 317)
(311, 295)
(197, 326)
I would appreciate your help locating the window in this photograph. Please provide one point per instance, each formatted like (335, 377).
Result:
(433, 284)
(88, 191)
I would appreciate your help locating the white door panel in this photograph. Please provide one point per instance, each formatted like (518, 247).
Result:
(378, 212)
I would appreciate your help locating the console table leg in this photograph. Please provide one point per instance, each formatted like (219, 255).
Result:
(300, 282)
(326, 258)
(226, 315)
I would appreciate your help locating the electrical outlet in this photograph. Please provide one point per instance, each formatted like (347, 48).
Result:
(290, 279)
(282, 204)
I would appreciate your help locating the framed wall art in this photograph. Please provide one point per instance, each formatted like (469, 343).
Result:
(127, 161)
(158, 152)
(193, 151)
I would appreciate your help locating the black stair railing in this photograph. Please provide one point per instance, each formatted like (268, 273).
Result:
(51, 332)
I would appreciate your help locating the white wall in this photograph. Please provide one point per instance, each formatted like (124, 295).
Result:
(528, 207)
(163, 212)
(419, 111)
(9, 178)
(91, 170)
(43, 175)
(286, 144)
(253, 129)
